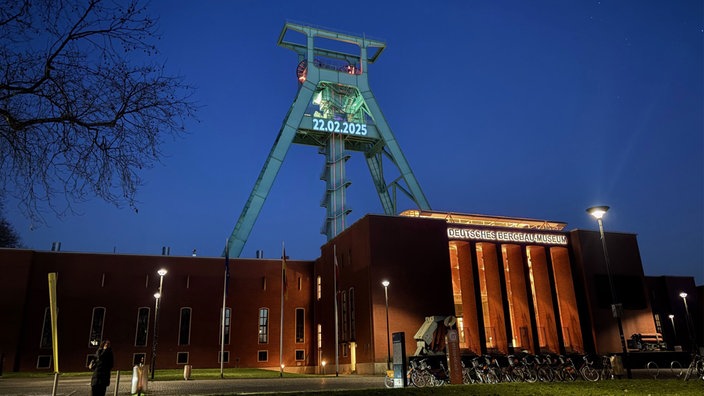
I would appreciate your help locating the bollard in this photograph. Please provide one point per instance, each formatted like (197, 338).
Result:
(117, 382)
(187, 372)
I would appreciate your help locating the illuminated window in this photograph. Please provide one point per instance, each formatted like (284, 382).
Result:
(142, 331)
(319, 288)
(320, 336)
(184, 327)
(96, 326)
(263, 326)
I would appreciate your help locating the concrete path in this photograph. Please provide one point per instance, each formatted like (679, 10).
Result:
(81, 386)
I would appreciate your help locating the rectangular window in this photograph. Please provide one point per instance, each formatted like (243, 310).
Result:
(138, 358)
(318, 288)
(262, 356)
(96, 327)
(228, 313)
(263, 326)
(142, 331)
(300, 355)
(320, 336)
(44, 361)
(300, 325)
(45, 341)
(343, 329)
(226, 354)
(658, 325)
(182, 358)
(353, 325)
(184, 327)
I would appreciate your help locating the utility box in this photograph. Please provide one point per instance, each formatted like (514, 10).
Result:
(187, 372)
(399, 360)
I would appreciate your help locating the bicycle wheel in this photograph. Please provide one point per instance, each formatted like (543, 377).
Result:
(389, 379)
(653, 369)
(589, 373)
(569, 373)
(676, 368)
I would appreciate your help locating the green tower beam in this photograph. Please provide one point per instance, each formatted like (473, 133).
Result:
(336, 111)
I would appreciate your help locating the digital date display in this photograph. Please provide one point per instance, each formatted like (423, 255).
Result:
(344, 127)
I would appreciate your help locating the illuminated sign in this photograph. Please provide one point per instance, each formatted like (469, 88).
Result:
(349, 128)
(506, 236)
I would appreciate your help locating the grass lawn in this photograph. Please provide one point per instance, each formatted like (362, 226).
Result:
(616, 387)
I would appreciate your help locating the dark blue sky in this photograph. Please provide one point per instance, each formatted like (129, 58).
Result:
(534, 109)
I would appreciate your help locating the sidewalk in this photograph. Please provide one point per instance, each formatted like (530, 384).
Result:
(81, 385)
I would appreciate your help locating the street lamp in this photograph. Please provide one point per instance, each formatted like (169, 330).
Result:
(598, 213)
(674, 330)
(687, 318)
(157, 297)
(385, 283)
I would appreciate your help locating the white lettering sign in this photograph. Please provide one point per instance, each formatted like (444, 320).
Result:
(506, 236)
(349, 128)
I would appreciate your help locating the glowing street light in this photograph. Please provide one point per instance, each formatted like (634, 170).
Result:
(688, 319)
(598, 213)
(672, 320)
(157, 297)
(385, 283)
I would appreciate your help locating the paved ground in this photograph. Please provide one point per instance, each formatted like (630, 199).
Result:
(81, 386)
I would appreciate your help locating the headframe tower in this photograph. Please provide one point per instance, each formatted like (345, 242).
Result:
(336, 111)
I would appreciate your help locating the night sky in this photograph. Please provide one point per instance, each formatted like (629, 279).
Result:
(535, 109)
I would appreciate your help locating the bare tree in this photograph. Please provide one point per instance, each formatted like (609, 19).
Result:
(8, 236)
(83, 105)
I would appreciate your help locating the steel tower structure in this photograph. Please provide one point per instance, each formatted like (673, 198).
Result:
(336, 111)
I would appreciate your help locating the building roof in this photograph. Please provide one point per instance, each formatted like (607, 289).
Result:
(486, 220)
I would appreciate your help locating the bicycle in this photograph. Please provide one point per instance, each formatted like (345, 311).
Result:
(588, 371)
(696, 368)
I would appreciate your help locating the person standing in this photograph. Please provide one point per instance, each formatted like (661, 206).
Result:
(101, 369)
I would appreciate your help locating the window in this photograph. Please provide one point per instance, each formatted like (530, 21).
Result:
(184, 327)
(140, 338)
(353, 326)
(263, 326)
(300, 354)
(182, 358)
(44, 361)
(320, 336)
(262, 356)
(45, 341)
(318, 288)
(228, 313)
(343, 329)
(226, 354)
(658, 325)
(96, 326)
(137, 358)
(300, 325)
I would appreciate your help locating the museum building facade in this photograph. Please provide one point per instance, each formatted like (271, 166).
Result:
(512, 284)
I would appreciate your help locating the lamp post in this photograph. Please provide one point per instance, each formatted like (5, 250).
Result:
(157, 296)
(688, 319)
(385, 283)
(674, 330)
(616, 308)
